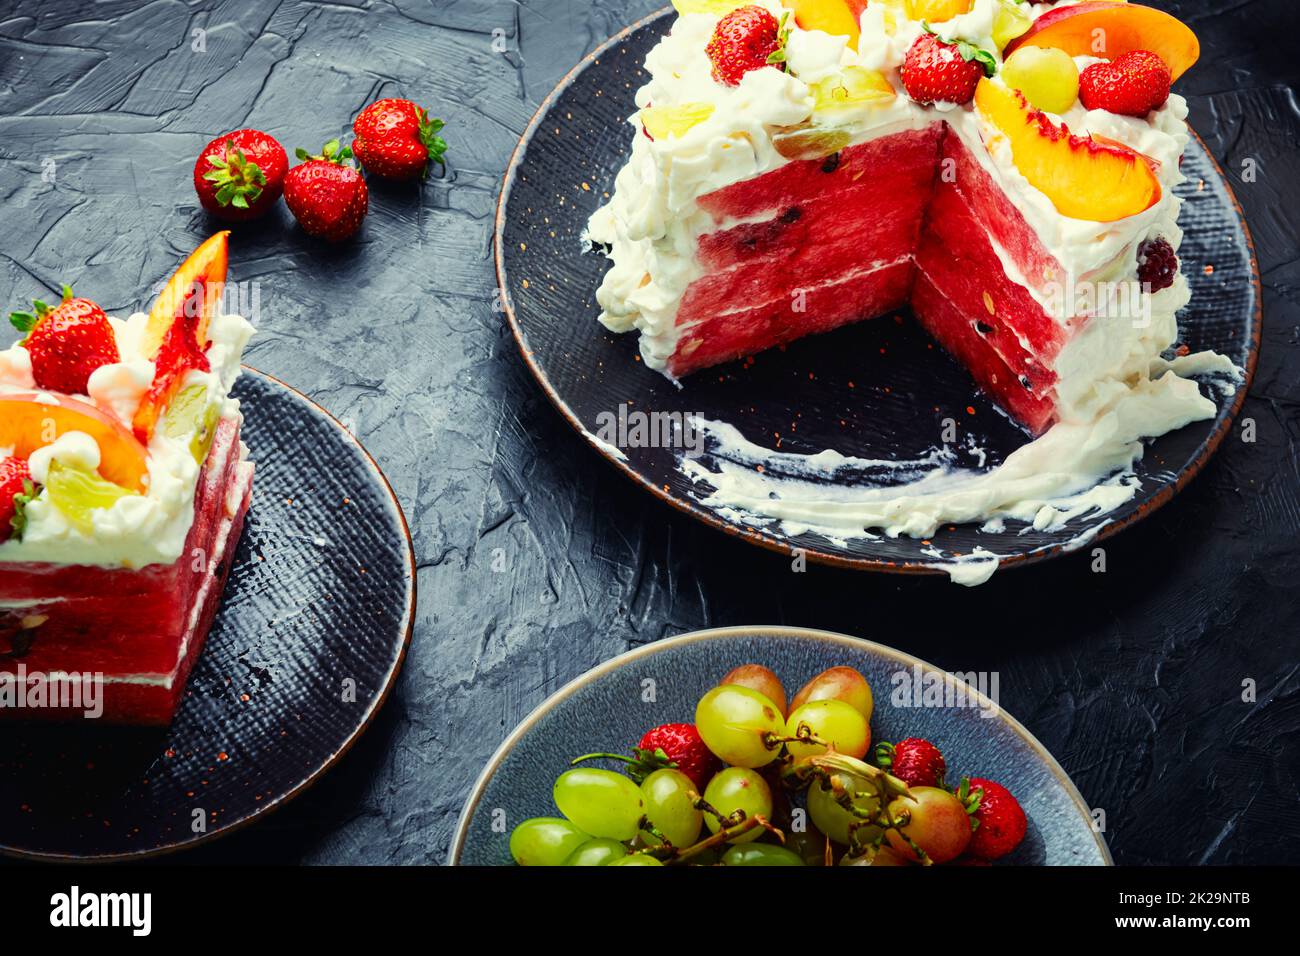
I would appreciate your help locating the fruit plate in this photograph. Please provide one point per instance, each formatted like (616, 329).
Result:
(606, 709)
(876, 390)
(313, 627)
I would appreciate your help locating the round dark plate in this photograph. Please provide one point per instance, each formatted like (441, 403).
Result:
(875, 390)
(322, 592)
(604, 710)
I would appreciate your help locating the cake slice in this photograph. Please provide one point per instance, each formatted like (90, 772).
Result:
(129, 487)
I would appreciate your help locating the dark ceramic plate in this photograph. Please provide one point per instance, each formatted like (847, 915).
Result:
(902, 389)
(312, 630)
(604, 710)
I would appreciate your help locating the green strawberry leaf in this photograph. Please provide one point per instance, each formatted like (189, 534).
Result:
(18, 523)
(238, 181)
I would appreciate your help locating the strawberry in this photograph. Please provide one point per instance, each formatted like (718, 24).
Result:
(16, 489)
(326, 194)
(1157, 264)
(670, 745)
(397, 139)
(240, 175)
(916, 762)
(936, 71)
(747, 38)
(998, 820)
(66, 342)
(684, 749)
(1132, 84)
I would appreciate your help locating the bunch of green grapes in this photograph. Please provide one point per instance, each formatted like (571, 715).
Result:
(753, 782)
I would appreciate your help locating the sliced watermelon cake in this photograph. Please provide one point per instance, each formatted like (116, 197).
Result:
(984, 163)
(123, 490)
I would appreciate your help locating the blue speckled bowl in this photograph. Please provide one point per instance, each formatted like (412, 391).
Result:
(606, 710)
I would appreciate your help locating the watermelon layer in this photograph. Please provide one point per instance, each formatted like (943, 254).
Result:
(908, 218)
(131, 626)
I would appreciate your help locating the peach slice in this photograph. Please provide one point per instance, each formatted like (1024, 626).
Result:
(937, 11)
(176, 336)
(1106, 28)
(837, 17)
(204, 271)
(1084, 178)
(29, 421)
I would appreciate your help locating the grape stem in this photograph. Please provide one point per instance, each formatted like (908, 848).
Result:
(726, 834)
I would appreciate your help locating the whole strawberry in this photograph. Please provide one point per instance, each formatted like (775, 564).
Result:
(747, 38)
(240, 175)
(66, 342)
(1157, 264)
(1000, 823)
(397, 139)
(16, 489)
(326, 194)
(1132, 84)
(916, 762)
(682, 745)
(934, 71)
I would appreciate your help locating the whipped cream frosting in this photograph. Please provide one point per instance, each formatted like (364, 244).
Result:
(1114, 386)
(137, 530)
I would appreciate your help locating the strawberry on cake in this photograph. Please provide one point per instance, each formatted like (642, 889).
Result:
(1006, 169)
(123, 489)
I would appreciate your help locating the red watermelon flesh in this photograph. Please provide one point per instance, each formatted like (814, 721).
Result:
(801, 181)
(135, 627)
(950, 327)
(747, 331)
(904, 218)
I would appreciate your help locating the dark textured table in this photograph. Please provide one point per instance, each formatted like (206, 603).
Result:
(536, 559)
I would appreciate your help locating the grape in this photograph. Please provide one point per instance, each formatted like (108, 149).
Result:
(735, 722)
(809, 844)
(1010, 22)
(884, 857)
(761, 854)
(837, 683)
(545, 841)
(833, 721)
(636, 859)
(600, 802)
(1047, 76)
(738, 788)
(938, 824)
(596, 852)
(837, 822)
(759, 678)
(78, 493)
(668, 800)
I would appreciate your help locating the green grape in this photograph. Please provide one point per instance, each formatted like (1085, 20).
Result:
(636, 859)
(666, 795)
(761, 854)
(78, 493)
(545, 841)
(835, 821)
(810, 845)
(738, 788)
(190, 413)
(600, 802)
(597, 852)
(833, 721)
(735, 722)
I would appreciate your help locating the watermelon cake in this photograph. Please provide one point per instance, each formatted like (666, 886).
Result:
(123, 490)
(1003, 169)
